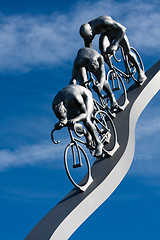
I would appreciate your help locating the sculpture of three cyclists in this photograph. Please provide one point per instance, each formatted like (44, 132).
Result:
(74, 103)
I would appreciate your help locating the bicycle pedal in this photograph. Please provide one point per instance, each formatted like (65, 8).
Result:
(103, 131)
(127, 80)
(93, 153)
(108, 137)
(77, 165)
(104, 96)
(116, 89)
(112, 113)
(131, 65)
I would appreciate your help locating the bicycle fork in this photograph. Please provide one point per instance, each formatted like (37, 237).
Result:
(75, 164)
(113, 76)
(115, 81)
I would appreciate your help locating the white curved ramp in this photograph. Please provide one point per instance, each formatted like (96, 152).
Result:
(76, 207)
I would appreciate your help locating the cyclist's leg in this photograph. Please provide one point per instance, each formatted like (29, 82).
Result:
(82, 76)
(80, 131)
(108, 90)
(107, 131)
(92, 129)
(132, 58)
(104, 43)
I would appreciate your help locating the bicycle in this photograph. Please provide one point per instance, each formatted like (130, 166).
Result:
(103, 98)
(75, 156)
(116, 76)
(102, 119)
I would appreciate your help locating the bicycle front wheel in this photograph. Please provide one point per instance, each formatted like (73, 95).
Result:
(118, 87)
(106, 131)
(77, 166)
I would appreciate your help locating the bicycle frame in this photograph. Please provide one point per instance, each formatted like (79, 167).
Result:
(103, 99)
(125, 75)
(75, 148)
(130, 69)
(73, 140)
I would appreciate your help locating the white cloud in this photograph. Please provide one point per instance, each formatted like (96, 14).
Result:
(148, 127)
(147, 161)
(31, 155)
(28, 40)
(26, 195)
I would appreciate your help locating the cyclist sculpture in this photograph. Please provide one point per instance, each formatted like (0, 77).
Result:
(73, 104)
(90, 60)
(112, 35)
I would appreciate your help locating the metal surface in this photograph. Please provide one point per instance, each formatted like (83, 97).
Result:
(76, 207)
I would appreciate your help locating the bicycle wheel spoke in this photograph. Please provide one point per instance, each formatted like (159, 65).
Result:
(103, 124)
(73, 154)
(79, 156)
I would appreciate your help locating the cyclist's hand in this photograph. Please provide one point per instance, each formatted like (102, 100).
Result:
(70, 122)
(111, 49)
(59, 125)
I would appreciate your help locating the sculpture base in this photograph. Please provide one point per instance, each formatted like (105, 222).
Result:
(76, 207)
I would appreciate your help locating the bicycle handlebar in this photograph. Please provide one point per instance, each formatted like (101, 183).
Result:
(58, 128)
(53, 140)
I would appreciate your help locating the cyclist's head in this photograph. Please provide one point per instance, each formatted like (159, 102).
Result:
(86, 31)
(60, 111)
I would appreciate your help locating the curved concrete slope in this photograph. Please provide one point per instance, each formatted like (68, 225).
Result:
(76, 207)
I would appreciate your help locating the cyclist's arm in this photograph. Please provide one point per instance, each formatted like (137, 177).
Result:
(82, 76)
(74, 71)
(60, 124)
(100, 76)
(83, 112)
(102, 71)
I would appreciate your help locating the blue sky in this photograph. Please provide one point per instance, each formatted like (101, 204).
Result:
(39, 41)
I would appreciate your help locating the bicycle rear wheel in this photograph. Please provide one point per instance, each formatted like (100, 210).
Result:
(106, 131)
(77, 166)
(118, 87)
